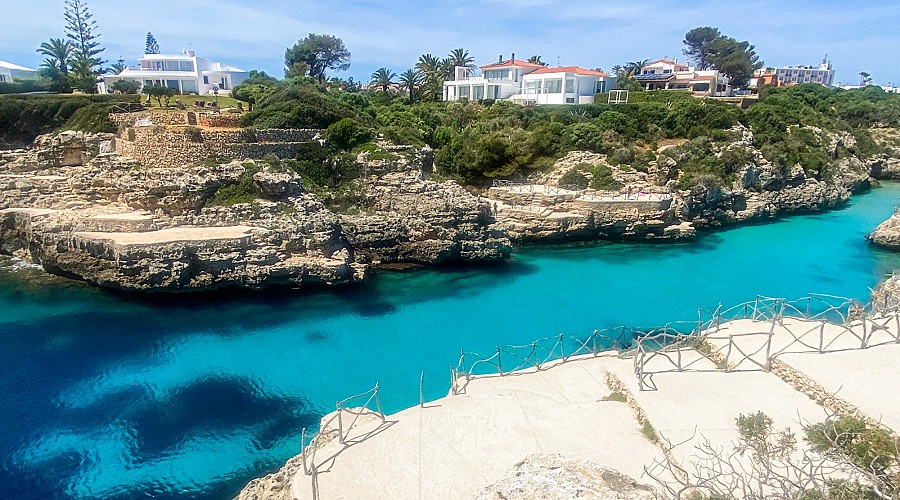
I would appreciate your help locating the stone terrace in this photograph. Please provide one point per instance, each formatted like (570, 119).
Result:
(458, 444)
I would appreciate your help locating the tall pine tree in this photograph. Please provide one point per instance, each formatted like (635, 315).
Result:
(152, 46)
(81, 30)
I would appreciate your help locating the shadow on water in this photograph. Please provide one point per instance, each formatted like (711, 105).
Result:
(213, 405)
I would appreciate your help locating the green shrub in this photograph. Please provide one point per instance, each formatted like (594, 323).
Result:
(574, 179)
(603, 180)
(735, 158)
(297, 105)
(347, 134)
(91, 118)
(621, 156)
(246, 190)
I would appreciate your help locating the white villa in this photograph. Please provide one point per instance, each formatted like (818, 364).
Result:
(8, 71)
(528, 83)
(186, 73)
(669, 74)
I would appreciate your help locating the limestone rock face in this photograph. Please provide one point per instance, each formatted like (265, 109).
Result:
(412, 219)
(81, 212)
(765, 190)
(552, 477)
(886, 296)
(887, 234)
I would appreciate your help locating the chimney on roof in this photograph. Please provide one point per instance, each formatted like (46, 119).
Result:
(501, 59)
(513, 58)
(675, 61)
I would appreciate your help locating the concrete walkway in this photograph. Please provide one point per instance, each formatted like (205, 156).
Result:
(461, 443)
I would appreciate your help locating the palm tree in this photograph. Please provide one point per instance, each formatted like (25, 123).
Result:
(59, 54)
(409, 80)
(118, 67)
(634, 68)
(864, 79)
(384, 78)
(618, 70)
(429, 65)
(536, 60)
(461, 57)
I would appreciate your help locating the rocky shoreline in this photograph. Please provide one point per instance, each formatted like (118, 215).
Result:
(78, 209)
(73, 205)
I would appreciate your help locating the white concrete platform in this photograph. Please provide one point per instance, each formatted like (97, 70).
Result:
(171, 235)
(459, 444)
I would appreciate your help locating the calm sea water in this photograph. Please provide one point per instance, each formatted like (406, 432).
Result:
(109, 396)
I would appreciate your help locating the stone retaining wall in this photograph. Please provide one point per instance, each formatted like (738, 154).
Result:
(171, 148)
(219, 120)
(129, 119)
(815, 391)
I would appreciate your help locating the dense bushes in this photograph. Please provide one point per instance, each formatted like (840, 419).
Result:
(300, 105)
(23, 117)
(347, 134)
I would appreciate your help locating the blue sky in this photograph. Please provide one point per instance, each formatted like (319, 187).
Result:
(856, 35)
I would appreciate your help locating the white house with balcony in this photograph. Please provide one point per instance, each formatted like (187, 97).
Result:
(186, 73)
(500, 80)
(562, 85)
(528, 83)
(671, 75)
(10, 71)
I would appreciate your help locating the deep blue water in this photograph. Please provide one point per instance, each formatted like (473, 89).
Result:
(109, 396)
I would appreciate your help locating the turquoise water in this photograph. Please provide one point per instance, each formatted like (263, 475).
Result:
(110, 396)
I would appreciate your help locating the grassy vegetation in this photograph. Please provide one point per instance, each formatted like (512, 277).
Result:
(615, 396)
(188, 101)
(649, 432)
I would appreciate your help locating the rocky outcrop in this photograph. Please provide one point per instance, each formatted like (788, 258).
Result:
(551, 477)
(408, 218)
(541, 210)
(110, 221)
(292, 240)
(886, 296)
(887, 234)
(765, 190)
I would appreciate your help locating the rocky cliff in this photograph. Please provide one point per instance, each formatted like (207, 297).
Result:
(648, 203)
(81, 211)
(408, 218)
(765, 190)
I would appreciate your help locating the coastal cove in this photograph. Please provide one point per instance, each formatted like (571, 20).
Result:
(111, 396)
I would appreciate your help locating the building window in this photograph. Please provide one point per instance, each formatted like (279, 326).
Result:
(205, 80)
(189, 86)
(148, 83)
(186, 65)
(463, 91)
(553, 86)
(570, 85)
(601, 87)
(667, 71)
(570, 100)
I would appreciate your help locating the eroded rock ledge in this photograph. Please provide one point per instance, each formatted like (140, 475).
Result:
(80, 210)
